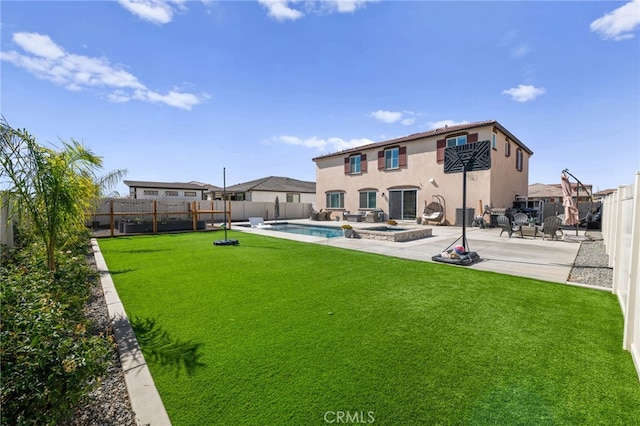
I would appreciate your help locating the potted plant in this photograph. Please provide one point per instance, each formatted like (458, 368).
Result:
(348, 230)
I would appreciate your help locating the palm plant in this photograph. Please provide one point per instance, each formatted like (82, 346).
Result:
(52, 189)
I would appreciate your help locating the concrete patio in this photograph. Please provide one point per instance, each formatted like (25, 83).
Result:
(548, 260)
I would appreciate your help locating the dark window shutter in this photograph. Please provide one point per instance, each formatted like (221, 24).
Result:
(347, 165)
(380, 160)
(402, 156)
(363, 163)
(472, 137)
(440, 145)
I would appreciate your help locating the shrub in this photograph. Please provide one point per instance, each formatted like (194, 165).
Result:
(49, 360)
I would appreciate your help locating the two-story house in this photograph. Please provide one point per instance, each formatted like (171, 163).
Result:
(400, 175)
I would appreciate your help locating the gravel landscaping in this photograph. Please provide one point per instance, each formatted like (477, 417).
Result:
(592, 263)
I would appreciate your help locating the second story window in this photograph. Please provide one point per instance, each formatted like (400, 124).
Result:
(189, 193)
(457, 140)
(170, 193)
(354, 164)
(519, 159)
(391, 158)
(150, 192)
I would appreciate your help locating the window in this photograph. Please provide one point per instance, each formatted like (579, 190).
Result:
(519, 160)
(494, 143)
(170, 193)
(293, 198)
(189, 193)
(368, 199)
(507, 149)
(391, 158)
(457, 140)
(335, 200)
(354, 164)
(150, 192)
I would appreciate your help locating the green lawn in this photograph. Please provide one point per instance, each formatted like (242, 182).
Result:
(279, 332)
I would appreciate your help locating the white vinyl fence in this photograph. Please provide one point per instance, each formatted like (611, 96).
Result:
(6, 224)
(621, 232)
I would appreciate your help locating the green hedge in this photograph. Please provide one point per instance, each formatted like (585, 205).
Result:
(49, 358)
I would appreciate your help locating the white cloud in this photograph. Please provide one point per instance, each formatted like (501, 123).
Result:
(524, 93)
(156, 11)
(291, 10)
(443, 123)
(619, 24)
(48, 61)
(386, 116)
(403, 117)
(330, 144)
(345, 6)
(280, 10)
(520, 51)
(38, 44)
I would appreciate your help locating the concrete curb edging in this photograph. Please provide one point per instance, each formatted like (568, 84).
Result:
(143, 395)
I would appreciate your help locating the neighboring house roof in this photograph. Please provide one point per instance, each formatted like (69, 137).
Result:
(170, 185)
(437, 132)
(207, 186)
(275, 184)
(604, 192)
(554, 190)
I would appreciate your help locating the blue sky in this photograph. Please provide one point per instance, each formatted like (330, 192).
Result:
(177, 90)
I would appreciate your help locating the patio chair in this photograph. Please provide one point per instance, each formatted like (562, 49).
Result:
(433, 212)
(507, 226)
(520, 218)
(256, 222)
(551, 226)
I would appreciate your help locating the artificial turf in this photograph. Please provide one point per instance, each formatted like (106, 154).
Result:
(274, 331)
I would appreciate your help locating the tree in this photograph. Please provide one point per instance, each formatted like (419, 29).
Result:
(52, 189)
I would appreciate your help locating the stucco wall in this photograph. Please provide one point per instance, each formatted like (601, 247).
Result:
(499, 185)
(270, 196)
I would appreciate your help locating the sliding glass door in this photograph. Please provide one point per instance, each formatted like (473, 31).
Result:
(403, 204)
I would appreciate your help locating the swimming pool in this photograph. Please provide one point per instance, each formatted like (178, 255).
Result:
(312, 230)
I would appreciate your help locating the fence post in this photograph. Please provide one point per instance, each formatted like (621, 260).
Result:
(112, 222)
(631, 339)
(194, 216)
(6, 222)
(155, 217)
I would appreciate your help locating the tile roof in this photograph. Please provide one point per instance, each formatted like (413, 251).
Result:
(553, 190)
(436, 132)
(274, 184)
(170, 185)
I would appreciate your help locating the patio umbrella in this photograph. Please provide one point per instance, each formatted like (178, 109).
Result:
(571, 215)
(276, 209)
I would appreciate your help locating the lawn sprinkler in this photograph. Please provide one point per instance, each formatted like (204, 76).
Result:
(225, 242)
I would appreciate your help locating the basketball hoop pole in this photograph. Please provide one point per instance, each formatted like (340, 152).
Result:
(464, 208)
(472, 157)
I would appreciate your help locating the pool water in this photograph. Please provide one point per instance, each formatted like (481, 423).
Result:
(315, 231)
